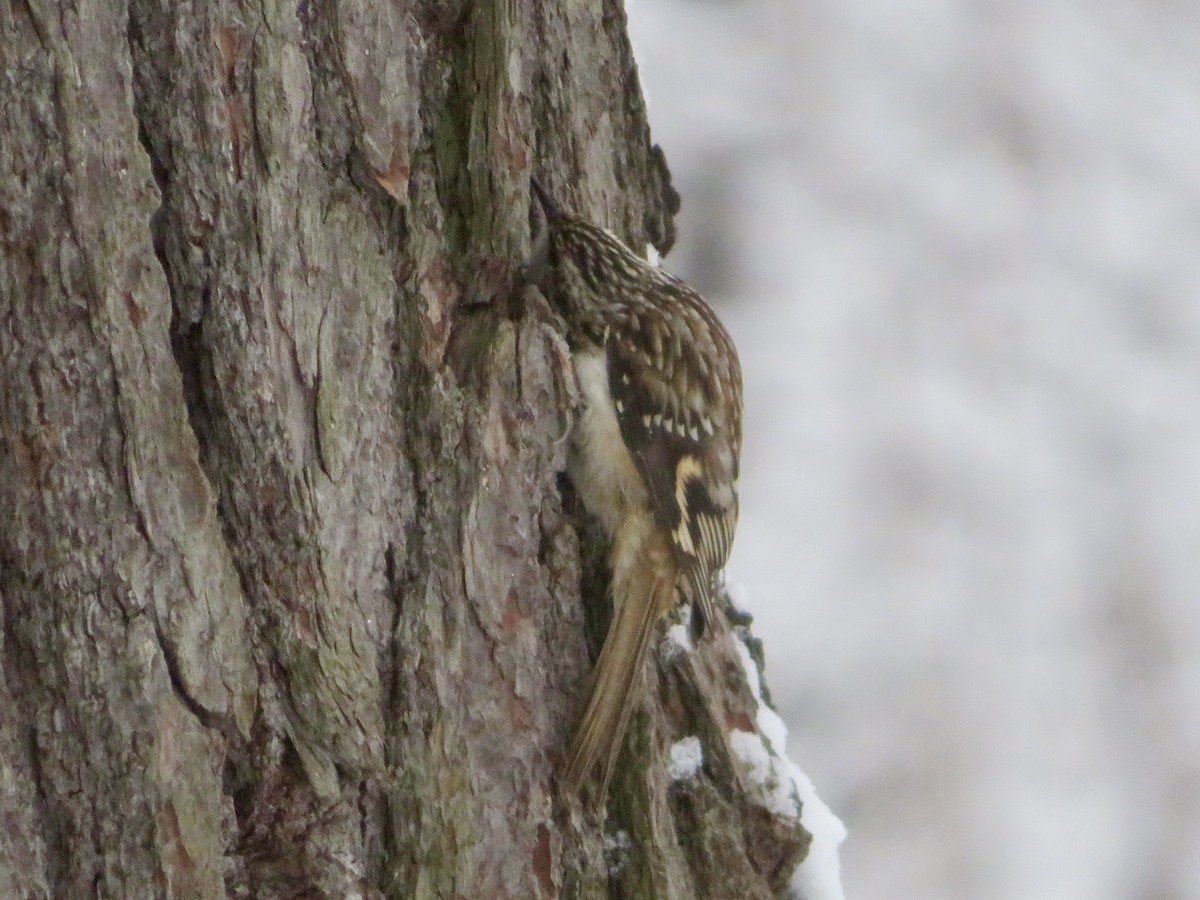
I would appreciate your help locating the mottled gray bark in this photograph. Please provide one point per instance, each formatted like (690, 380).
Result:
(290, 595)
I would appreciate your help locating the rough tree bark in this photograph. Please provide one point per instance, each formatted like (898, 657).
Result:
(290, 585)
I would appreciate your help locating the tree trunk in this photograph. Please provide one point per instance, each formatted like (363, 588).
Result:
(290, 591)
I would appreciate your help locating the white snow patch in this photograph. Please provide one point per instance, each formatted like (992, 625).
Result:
(676, 642)
(773, 729)
(616, 850)
(783, 784)
(678, 639)
(687, 756)
(769, 773)
(819, 877)
(750, 749)
(749, 667)
(769, 722)
(738, 596)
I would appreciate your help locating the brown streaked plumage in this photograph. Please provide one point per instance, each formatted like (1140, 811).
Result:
(654, 454)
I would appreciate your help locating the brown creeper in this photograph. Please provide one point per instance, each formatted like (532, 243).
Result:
(654, 453)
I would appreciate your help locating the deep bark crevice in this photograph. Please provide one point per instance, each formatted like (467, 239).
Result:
(336, 118)
(186, 326)
(19, 664)
(54, 842)
(170, 657)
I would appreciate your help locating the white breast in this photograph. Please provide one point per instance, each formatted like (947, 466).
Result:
(601, 467)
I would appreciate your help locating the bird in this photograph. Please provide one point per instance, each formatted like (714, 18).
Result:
(654, 453)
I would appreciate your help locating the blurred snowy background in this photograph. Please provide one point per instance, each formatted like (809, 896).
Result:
(958, 244)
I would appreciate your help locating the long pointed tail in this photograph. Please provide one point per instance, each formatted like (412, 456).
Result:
(643, 590)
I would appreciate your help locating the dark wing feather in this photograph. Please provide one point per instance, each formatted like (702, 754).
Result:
(677, 390)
